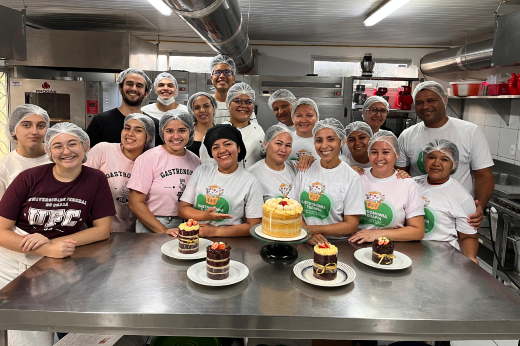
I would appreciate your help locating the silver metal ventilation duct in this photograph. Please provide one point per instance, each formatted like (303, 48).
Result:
(220, 24)
(472, 57)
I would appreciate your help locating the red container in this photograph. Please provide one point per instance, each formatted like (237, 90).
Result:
(512, 85)
(498, 89)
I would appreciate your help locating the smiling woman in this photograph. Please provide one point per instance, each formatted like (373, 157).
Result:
(304, 114)
(42, 211)
(160, 176)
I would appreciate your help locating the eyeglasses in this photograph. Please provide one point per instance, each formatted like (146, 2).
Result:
(225, 72)
(239, 102)
(374, 111)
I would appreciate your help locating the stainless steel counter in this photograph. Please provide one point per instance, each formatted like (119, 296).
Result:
(125, 285)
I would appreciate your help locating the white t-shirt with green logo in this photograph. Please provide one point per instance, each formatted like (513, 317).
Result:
(446, 210)
(326, 195)
(238, 194)
(389, 202)
(302, 146)
(351, 162)
(473, 148)
(274, 183)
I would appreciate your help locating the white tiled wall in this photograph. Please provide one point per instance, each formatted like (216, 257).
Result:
(499, 135)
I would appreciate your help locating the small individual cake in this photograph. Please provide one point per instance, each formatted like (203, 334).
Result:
(325, 265)
(188, 237)
(217, 261)
(282, 218)
(383, 251)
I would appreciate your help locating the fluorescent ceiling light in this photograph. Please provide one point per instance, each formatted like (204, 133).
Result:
(161, 7)
(382, 12)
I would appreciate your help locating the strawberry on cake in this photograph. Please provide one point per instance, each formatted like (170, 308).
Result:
(188, 237)
(217, 261)
(383, 251)
(325, 261)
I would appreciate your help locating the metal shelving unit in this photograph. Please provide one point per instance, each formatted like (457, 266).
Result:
(501, 104)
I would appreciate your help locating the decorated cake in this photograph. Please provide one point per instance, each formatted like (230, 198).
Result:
(282, 218)
(383, 251)
(188, 237)
(325, 265)
(217, 261)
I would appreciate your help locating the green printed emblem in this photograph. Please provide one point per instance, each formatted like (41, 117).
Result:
(420, 163)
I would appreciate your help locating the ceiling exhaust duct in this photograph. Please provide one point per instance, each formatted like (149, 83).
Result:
(472, 57)
(220, 24)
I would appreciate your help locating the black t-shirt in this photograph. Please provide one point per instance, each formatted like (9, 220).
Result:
(195, 148)
(107, 127)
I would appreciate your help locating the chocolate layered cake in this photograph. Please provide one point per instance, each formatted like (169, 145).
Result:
(383, 251)
(325, 265)
(217, 261)
(188, 237)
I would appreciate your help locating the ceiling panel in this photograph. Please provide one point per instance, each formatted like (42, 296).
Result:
(420, 22)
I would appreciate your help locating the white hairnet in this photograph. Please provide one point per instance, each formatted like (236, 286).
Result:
(178, 114)
(370, 101)
(166, 75)
(446, 147)
(191, 101)
(433, 86)
(281, 95)
(358, 126)
(149, 127)
(270, 134)
(20, 113)
(222, 59)
(122, 76)
(69, 129)
(240, 89)
(385, 136)
(305, 101)
(330, 123)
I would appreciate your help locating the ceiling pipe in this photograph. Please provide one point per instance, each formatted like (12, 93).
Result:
(472, 57)
(219, 23)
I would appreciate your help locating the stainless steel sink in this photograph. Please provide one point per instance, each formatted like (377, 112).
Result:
(506, 179)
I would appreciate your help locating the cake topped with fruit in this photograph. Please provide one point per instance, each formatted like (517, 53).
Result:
(325, 261)
(217, 260)
(282, 218)
(383, 251)
(188, 237)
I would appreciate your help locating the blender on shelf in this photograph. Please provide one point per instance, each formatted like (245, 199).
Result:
(404, 99)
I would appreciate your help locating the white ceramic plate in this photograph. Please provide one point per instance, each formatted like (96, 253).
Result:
(237, 272)
(303, 271)
(401, 261)
(171, 249)
(259, 231)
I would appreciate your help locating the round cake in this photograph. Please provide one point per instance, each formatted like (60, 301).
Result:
(383, 251)
(325, 266)
(282, 218)
(188, 237)
(217, 261)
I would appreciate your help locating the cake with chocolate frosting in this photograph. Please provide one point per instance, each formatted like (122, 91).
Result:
(188, 237)
(217, 261)
(383, 251)
(325, 266)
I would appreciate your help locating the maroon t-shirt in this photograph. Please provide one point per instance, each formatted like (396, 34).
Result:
(41, 204)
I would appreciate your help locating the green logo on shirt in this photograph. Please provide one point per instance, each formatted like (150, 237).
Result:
(204, 202)
(315, 205)
(420, 163)
(378, 213)
(429, 220)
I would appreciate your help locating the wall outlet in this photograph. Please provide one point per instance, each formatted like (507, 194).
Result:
(512, 150)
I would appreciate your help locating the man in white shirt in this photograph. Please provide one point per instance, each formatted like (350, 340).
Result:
(167, 89)
(281, 102)
(475, 156)
(223, 77)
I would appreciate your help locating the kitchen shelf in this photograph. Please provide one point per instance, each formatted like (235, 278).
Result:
(392, 79)
(486, 97)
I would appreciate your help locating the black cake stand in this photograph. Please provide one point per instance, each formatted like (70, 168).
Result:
(279, 251)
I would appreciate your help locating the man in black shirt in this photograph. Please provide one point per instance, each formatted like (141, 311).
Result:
(134, 86)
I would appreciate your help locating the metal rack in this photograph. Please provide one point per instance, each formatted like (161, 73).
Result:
(501, 104)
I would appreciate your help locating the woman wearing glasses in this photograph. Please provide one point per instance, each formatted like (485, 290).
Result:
(374, 112)
(241, 102)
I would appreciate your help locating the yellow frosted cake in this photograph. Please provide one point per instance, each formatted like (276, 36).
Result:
(282, 218)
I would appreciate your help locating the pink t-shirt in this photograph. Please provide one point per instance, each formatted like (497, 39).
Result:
(163, 178)
(109, 159)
